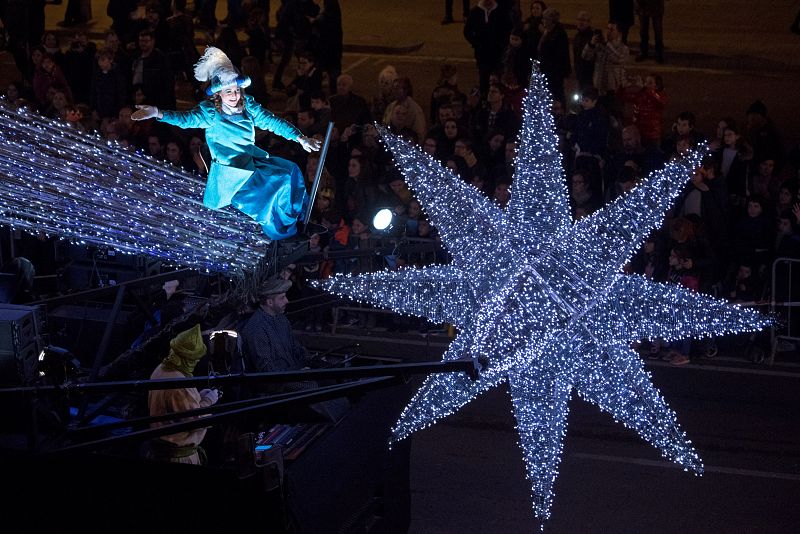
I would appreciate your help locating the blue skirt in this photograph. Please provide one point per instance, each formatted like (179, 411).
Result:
(275, 196)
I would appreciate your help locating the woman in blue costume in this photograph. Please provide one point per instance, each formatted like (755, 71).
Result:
(271, 190)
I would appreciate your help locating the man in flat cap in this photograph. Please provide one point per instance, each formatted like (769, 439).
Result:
(268, 343)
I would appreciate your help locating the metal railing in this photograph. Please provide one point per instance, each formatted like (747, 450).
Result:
(784, 303)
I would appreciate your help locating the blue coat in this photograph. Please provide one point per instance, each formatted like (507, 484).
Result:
(231, 141)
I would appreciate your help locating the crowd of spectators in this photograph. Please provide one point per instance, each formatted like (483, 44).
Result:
(737, 214)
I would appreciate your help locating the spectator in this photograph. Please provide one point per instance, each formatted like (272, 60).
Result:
(445, 92)
(78, 64)
(582, 197)
(307, 81)
(293, 29)
(360, 192)
(651, 10)
(554, 53)
(682, 271)
(122, 13)
(52, 46)
(621, 12)
(754, 235)
(463, 149)
(762, 136)
(584, 69)
(486, 29)
(764, 183)
(403, 93)
(58, 105)
(787, 239)
(384, 97)
(502, 194)
(590, 137)
(649, 103)
(610, 55)
(49, 76)
(327, 40)
(180, 48)
(495, 116)
(150, 70)
(516, 63)
(258, 88)
(173, 154)
(228, 40)
(718, 142)
(733, 164)
(346, 106)
(258, 36)
(684, 125)
(155, 146)
(532, 29)
(107, 89)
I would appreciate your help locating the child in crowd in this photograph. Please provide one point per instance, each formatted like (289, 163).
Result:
(682, 271)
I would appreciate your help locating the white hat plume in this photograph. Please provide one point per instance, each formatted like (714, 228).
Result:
(214, 63)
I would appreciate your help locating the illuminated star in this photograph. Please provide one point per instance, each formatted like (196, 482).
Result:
(544, 299)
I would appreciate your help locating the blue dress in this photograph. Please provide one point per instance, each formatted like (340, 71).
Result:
(271, 190)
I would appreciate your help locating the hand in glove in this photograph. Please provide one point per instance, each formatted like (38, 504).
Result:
(212, 395)
(145, 112)
(309, 144)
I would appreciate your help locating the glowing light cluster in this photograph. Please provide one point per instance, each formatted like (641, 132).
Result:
(544, 299)
(62, 182)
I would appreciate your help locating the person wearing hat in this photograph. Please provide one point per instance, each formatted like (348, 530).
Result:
(269, 189)
(185, 350)
(268, 343)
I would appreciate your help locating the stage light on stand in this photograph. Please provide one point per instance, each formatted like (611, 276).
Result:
(382, 221)
(56, 365)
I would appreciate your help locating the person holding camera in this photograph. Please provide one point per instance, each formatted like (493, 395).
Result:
(584, 69)
(185, 350)
(610, 55)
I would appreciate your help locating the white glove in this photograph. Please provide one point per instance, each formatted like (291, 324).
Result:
(211, 394)
(309, 144)
(145, 112)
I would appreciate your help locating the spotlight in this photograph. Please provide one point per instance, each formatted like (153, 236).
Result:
(57, 364)
(382, 221)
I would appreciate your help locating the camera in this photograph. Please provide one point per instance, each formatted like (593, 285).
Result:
(358, 129)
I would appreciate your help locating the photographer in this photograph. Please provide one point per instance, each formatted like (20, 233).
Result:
(610, 55)
(185, 350)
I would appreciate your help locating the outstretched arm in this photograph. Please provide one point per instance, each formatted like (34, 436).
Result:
(266, 120)
(200, 117)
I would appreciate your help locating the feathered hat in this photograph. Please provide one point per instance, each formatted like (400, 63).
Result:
(214, 66)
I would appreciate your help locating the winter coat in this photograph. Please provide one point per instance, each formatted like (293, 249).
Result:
(231, 141)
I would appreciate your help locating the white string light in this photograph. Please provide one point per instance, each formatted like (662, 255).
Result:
(544, 300)
(81, 187)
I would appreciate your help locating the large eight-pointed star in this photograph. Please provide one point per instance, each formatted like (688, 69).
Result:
(545, 300)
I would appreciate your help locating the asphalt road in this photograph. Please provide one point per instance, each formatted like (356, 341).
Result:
(468, 475)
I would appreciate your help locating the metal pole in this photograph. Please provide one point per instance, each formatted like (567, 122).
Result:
(318, 175)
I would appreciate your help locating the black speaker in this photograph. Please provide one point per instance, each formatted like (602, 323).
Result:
(21, 339)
